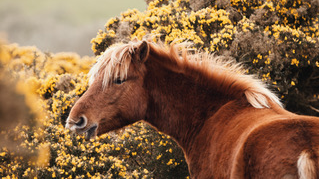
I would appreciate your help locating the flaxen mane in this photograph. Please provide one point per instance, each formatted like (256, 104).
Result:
(227, 76)
(113, 63)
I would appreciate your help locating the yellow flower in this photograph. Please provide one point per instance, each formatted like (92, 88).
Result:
(44, 155)
(295, 62)
(267, 62)
(88, 174)
(293, 83)
(170, 162)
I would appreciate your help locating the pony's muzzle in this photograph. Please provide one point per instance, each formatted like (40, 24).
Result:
(80, 126)
(76, 125)
(91, 132)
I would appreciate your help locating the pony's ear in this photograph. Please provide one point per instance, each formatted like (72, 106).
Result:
(141, 52)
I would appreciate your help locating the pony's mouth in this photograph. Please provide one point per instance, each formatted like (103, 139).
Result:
(90, 132)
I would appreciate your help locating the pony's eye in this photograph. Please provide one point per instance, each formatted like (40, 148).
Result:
(119, 81)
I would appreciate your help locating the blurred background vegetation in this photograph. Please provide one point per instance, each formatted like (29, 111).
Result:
(59, 25)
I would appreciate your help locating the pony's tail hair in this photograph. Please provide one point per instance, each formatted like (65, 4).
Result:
(306, 166)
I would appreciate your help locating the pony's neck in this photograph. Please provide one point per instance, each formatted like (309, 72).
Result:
(178, 104)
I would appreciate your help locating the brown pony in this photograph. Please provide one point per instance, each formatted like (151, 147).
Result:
(228, 124)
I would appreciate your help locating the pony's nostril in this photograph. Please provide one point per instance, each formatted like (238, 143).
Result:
(81, 122)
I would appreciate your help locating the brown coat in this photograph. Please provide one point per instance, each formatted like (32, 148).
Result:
(228, 123)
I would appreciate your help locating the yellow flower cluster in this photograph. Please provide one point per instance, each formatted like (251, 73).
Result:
(30, 61)
(223, 38)
(243, 6)
(61, 91)
(288, 31)
(48, 87)
(61, 63)
(290, 13)
(101, 37)
(172, 21)
(246, 25)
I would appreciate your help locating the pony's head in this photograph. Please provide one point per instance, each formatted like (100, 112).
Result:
(115, 97)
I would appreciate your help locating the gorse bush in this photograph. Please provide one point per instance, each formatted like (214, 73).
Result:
(276, 40)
